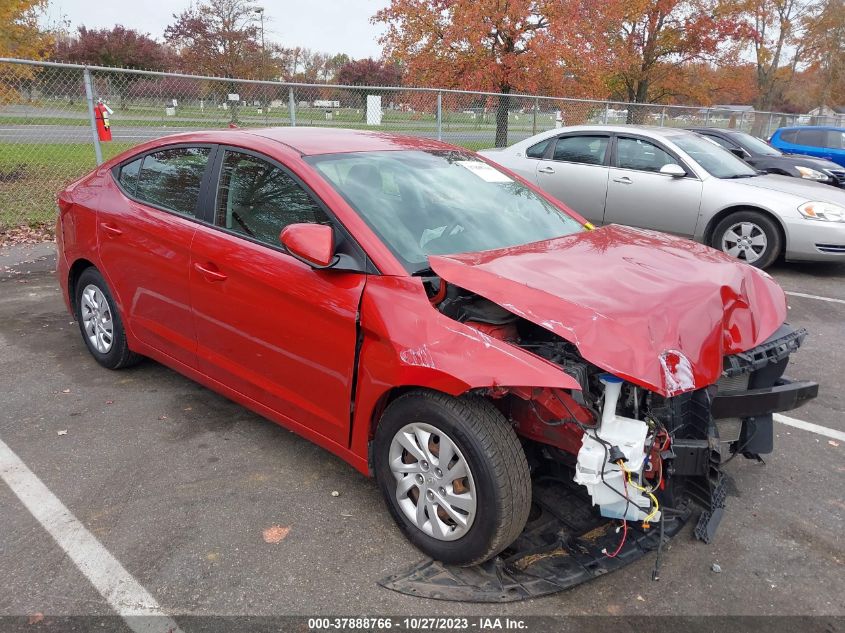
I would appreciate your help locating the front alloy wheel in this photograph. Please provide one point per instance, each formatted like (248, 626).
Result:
(434, 485)
(750, 236)
(453, 473)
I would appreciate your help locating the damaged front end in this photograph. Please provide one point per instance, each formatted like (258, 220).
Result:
(617, 467)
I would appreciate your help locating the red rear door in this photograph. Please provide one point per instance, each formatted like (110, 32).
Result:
(145, 228)
(268, 325)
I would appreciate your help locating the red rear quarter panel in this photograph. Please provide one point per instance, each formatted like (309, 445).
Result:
(76, 225)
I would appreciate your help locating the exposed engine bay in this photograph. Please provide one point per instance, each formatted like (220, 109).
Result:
(633, 455)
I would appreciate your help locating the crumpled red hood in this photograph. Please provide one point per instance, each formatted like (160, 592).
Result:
(657, 310)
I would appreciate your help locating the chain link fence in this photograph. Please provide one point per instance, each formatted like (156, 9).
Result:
(48, 131)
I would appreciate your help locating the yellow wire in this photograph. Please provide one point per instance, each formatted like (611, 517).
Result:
(651, 514)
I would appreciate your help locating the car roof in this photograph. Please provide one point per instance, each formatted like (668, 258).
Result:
(811, 127)
(716, 130)
(648, 130)
(317, 140)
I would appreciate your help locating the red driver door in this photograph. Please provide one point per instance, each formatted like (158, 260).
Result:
(267, 325)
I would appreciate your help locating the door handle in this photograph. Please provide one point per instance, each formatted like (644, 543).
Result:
(546, 170)
(111, 229)
(210, 272)
(623, 180)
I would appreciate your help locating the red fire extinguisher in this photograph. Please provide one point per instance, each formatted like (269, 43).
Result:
(101, 113)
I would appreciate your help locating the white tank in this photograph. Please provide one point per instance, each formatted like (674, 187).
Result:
(603, 479)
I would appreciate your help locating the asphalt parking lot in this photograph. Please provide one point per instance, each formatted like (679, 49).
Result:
(180, 486)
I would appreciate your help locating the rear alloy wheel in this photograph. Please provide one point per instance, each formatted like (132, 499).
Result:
(100, 323)
(453, 474)
(749, 236)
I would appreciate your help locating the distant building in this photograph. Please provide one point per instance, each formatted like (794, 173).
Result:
(827, 111)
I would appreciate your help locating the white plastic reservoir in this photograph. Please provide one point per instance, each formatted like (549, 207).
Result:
(604, 480)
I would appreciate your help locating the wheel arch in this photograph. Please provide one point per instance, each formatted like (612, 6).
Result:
(721, 215)
(74, 272)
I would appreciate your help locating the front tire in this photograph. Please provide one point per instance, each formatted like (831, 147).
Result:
(453, 474)
(750, 236)
(100, 322)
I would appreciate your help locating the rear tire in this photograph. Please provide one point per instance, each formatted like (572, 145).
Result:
(100, 322)
(464, 520)
(750, 236)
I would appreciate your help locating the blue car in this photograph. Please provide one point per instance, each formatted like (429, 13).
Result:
(812, 140)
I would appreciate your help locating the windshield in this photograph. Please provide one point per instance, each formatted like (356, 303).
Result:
(423, 203)
(754, 145)
(715, 159)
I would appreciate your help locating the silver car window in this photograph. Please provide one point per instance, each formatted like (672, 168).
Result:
(589, 150)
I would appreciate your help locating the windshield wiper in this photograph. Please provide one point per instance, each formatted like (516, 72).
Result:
(425, 271)
(734, 176)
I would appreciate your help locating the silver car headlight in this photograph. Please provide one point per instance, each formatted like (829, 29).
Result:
(826, 211)
(812, 174)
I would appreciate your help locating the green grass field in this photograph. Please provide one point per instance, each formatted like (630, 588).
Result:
(32, 173)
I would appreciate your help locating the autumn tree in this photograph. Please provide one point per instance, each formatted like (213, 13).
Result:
(656, 45)
(218, 37)
(368, 72)
(21, 36)
(825, 53)
(119, 47)
(776, 38)
(494, 45)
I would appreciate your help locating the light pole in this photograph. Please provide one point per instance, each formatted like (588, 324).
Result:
(263, 93)
(260, 12)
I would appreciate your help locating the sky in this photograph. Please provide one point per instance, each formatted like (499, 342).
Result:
(330, 26)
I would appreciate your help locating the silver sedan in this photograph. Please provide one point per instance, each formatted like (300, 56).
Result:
(679, 182)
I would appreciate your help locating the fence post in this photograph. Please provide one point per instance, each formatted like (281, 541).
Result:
(89, 97)
(606, 113)
(536, 108)
(439, 116)
(741, 119)
(707, 117)
(663, 117)
(291, 107)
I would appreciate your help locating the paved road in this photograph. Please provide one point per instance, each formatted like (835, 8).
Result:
(178, 484)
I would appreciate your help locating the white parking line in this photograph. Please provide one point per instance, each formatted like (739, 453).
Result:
(809, 426)
(806, 296)
(123, 593)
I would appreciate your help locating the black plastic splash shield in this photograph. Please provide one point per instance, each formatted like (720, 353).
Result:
(560, 547)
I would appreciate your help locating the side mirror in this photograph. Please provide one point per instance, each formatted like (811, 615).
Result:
(739, 152)
(309, 243)
(674, 170)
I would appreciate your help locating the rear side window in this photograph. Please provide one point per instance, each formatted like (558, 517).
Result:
(589, 150)
(538, 150)
(128, 177)
(171, 178)
(814, 138)
(835, 139)
(257, 199)
(789, 136)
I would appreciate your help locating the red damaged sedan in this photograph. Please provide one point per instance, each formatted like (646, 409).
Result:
(437, 322)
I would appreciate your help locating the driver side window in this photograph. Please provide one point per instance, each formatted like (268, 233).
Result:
(636, 153)
(257, 199)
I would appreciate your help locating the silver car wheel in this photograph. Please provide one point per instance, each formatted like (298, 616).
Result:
(96, 315)
(434, 485)
(746, 241)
